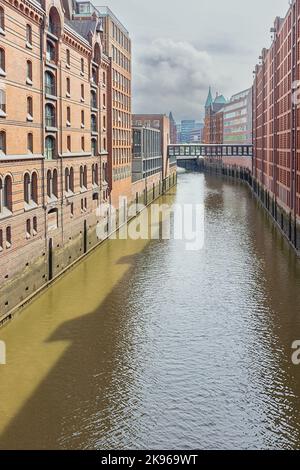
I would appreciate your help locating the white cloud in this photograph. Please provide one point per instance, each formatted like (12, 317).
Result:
(170, 75)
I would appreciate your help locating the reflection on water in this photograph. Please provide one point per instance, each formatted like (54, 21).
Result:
(146, 345)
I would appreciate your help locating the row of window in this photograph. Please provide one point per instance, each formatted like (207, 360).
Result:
(121, 155)
(120, 59)
(121, 81)
(121, 173)
(30, 185)
(50, 143)
(120, 37)
(28, 28)
(50, 85)
(121, 100)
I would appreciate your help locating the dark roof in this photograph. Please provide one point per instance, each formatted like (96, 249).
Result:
(83, 27)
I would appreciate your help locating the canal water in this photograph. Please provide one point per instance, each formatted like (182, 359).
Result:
(147, 345)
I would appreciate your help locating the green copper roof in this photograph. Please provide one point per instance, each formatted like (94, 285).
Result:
(209, 100)
(220, 100)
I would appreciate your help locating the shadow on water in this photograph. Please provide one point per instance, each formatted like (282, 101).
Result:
(145, 345)
(74, 406)
(90, 368)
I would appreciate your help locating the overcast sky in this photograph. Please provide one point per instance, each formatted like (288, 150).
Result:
(180, 47)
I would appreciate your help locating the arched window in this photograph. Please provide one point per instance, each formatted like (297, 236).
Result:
(85, 176)
(49, 147)
(67, 180)
(50, 53)
(93, 123)
(27, 188)
(34, 187)
(97, 54)
(50, 115)
(94, 146)
(95, 75)
(93, 99)
(8, 237)
(2, 62)
(95, 174)
(29, 108)
(81, 177)
(72, 180)
(7, 196)
(49, 83)
(82, 144)
(30, 143)
(2, 21)
(49, 183)
(28, 35)
(68, 57)
(68, 85)
(82, 92)
(54, 183)
(68, 116)
(29, 72)
(28, 228)
(2, 142)
(54, 22)
(82, 118)
(34, 225)
(82, 66)
(2, 103)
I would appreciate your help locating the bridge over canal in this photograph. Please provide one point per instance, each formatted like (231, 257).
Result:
(191, 156)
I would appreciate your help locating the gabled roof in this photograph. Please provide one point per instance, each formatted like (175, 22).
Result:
(84, 27)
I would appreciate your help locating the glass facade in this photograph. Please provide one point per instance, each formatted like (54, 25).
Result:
(237, 125)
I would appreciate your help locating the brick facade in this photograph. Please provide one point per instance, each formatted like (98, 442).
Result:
(55, 88)
(276, 115)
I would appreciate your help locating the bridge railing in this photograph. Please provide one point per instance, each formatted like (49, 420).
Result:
(213, 151)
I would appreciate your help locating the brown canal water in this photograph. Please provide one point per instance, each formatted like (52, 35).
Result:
(146, 345)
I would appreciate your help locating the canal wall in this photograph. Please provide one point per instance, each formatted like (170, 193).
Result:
(284, 220)
(31, 275)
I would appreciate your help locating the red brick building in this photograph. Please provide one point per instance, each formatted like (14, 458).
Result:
(55, 103)
(276, 122)
(213, 121)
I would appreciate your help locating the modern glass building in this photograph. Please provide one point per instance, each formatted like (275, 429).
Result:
(237, 119)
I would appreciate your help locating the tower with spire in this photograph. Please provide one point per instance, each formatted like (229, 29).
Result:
(213, 122)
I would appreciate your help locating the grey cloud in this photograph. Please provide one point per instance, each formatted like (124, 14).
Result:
(207, 42)
(173, 75)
